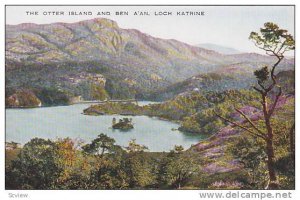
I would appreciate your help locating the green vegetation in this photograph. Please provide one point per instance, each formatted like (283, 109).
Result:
(252, 143)
(123, 124)
(61, 58)
(98, 92)
(275, 42)
(52, 96)
(23, 98)
(194, 111)
(177, 168)
(245, 148)
(239, 78)
(111, 108)
(206, 122)
(101, 164)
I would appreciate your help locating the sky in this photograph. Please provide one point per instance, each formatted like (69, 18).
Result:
(222, 25)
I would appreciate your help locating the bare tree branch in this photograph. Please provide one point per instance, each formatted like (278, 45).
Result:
(265, 49)
(282, 45)
(240, 126)
(285, 49)
(262, 86)
(258, 90)
(270, 54)
(250, 121)
(270, 87)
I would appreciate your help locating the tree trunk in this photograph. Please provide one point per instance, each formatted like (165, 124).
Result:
(273, 184)
(270, 163)
(102, 152)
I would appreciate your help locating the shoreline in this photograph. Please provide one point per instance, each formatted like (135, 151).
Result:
(144, 113)
(70, 104)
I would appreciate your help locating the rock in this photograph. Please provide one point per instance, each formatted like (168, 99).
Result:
(123, 124)
(93, 111)
(23, 98)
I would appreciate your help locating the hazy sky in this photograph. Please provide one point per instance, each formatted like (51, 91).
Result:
(223, 25)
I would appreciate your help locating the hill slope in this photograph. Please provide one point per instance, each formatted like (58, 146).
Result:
(75, 58)
(219, 48)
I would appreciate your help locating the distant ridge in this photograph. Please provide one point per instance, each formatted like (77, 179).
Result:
(77, 59)
(219, 48)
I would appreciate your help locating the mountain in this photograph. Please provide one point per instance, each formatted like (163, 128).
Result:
(230, 77)
(96, 59)
(219, 48)
(206, 82)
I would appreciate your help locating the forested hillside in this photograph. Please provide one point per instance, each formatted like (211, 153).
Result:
(76, 59)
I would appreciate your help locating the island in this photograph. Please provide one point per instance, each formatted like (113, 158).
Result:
(123, 124)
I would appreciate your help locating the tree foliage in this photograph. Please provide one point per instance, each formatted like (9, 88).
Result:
(177, 168)
(100, 145)
(275, 42)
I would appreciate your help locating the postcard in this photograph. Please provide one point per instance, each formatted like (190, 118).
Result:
(154, 97)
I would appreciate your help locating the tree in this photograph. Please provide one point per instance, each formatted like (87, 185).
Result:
(177, 168)
(106, 157)
(35, 166)
(114, 121)
(100, 145)
(98, 92)
(245, 149)
(66, 158)
(138, 166)
(275, 42)
(139, 170)
(134, 147)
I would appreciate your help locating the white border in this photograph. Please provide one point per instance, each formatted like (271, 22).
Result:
(127, 194)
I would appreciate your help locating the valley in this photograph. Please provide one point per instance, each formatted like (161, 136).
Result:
(57, 62)
(116, 108)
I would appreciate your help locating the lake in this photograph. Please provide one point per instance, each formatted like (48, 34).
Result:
(67, 121)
